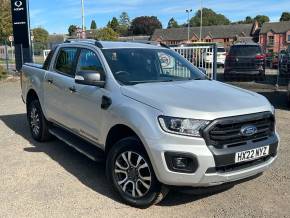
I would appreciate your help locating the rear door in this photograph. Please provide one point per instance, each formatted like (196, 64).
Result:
(59, 86)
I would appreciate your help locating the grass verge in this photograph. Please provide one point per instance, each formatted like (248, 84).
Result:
(3, 73)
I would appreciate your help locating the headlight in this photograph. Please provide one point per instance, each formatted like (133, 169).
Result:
(181, 126)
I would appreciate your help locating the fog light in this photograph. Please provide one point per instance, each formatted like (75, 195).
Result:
(181, 162)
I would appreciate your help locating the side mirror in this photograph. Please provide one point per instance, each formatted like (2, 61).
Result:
(90, 78)
(202, 70)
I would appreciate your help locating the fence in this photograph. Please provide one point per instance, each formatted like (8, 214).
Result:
(7, 58)
(202, 56)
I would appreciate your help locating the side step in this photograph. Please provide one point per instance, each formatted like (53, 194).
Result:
(82, 146)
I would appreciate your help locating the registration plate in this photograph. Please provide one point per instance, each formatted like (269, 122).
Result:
(252, 154)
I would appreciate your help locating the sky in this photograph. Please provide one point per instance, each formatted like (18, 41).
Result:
(57, 15)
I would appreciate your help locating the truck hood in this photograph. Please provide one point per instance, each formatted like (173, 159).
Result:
(198, 99)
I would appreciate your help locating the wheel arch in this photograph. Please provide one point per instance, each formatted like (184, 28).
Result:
(118, 132)
(31, 95)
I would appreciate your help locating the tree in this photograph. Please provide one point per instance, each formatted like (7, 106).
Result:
(124, 24)
(262, 19)
(40, 35)
(145, 25)
(210, 18)
(114, 24)
(106, 34)
(93, 25)
(248, 20)
(124, 19)
(5, 20)
(40, 40)
(172, 23)
(285, 16)
(123, 30)
(72, 30)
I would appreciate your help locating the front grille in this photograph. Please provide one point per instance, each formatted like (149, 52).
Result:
(226, 132)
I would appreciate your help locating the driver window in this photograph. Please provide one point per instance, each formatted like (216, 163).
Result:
(88, 60)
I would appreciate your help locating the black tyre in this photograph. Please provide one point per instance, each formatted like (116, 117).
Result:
(37, 122)
(130, 172)
(261, 77)
(226, 77)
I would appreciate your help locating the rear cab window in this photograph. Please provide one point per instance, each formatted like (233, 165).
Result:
(47, 61)
(66, 60)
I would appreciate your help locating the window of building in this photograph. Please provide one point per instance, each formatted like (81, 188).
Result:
(288, 38)
(65, 60)
(270, 51)
(226, 40)
(271, 40)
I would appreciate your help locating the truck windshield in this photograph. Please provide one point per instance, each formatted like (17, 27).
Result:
(131, 66)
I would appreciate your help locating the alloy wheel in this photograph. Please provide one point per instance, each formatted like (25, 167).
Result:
(132, 174)
(35, 121)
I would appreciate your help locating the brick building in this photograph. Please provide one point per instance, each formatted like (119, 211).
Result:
(275, 37)
(222, 34)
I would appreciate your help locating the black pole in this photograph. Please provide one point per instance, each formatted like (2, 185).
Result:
(21, 32)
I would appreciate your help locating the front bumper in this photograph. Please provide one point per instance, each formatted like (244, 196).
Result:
(244, 72)
(213, 168)
(212, 179)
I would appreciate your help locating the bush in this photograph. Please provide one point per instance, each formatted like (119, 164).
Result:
(106, 34)
(3, 73)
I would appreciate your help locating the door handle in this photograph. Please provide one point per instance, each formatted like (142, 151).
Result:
(72, 89)
(50, 81)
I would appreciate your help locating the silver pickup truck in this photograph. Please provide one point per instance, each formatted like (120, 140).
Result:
(156, 119)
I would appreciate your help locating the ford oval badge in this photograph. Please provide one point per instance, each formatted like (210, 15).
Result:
(249, 130)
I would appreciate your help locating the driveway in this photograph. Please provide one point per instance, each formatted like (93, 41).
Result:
(52, 180)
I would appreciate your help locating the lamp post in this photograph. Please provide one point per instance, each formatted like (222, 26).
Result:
(200, 31)
(83, 19)
(188, 23)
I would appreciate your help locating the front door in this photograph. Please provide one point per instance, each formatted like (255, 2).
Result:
(85, 106)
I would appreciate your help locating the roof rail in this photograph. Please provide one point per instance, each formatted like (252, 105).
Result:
(163, 45)
(150, 43)
(90, 41)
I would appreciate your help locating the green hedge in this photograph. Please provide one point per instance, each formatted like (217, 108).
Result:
(3, 73)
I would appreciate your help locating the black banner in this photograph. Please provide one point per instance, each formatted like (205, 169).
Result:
(21, 32)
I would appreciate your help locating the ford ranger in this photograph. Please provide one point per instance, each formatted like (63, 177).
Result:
(156, 119)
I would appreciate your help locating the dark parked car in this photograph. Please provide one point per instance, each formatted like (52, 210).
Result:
(245, 60)
(285, 64)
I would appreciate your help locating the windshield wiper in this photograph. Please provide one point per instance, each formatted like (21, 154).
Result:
(158, 81)
(198, 78)
(146, 81)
